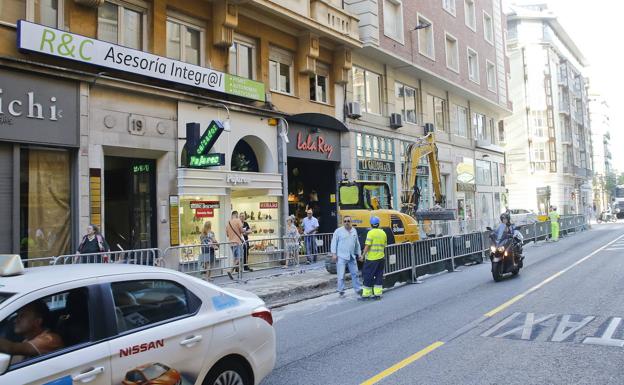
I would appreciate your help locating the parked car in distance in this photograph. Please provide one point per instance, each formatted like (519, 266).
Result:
(523, 216)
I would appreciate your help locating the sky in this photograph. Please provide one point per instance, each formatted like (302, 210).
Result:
(595, 28)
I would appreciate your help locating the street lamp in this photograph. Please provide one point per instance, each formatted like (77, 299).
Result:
(422, 26)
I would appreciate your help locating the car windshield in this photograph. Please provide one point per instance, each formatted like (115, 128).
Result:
(154, 371)
(5, 296)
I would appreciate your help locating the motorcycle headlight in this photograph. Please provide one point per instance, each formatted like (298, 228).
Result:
(493, 249)
(505, 253)
(501, 249)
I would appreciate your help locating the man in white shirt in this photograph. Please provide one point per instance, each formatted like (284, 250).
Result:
(310, 227)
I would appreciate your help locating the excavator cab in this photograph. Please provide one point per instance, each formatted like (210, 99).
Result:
(361, 199)
(364, 195)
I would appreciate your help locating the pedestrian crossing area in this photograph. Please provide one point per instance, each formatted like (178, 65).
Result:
(617, 246)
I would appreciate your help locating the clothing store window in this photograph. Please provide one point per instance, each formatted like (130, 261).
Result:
(45, 202)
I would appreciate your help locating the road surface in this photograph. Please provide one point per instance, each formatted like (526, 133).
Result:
(558, 322)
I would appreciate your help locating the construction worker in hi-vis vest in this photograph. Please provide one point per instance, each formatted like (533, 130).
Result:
(372, 272)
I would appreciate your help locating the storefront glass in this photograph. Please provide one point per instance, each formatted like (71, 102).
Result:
(45, 202)
(262, 214)
(194, 212)
(381, 150)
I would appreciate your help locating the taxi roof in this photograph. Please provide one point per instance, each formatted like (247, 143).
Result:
(35, 278)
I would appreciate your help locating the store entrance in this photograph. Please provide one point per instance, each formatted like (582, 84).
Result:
(130, 202)
(312, 183)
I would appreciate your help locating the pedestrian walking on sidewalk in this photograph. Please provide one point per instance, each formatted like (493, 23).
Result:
(93, 242)
(246, 232)
(345, 250)
(589, 213)
(553, 215)
(372, 272)
(234, 232)
(310, 227)
(292, 242)
(208, 243)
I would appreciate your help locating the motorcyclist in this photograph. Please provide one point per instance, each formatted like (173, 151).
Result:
(507, 227)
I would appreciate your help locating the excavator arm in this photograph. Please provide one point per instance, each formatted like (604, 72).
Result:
(415, 151)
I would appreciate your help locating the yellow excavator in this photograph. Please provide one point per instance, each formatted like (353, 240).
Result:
(361, 199)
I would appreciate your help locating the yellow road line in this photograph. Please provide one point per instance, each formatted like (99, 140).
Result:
(505, 305)
(549, 279)
(400, 365)
(418, 355)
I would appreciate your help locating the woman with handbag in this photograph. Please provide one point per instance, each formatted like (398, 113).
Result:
(208, 243)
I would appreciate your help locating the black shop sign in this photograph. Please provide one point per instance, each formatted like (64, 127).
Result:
(376, 165)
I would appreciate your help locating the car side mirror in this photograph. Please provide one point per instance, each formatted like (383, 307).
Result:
(488, 228)
(5, 360)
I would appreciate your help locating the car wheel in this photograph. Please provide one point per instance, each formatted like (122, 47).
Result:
(228, 373)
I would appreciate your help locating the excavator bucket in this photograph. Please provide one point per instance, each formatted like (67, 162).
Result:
(435, 215)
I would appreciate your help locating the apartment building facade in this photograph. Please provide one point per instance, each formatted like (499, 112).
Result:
(600, 118)
(98, 98)
(548, 137)
(439, 64)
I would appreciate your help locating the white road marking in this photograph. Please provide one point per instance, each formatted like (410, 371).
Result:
(527, 328)
(566, 327)
(607, 337)
(499, 325)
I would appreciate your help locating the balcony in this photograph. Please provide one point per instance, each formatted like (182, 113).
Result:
(487, 145)
(326, 18)
(564, 106)
(566, 138)
(580, 172)
(334, 17)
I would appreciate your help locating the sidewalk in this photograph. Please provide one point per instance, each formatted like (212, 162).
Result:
(280, 287)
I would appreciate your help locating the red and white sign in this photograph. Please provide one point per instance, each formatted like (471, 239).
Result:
(268, 205)
(313, 144)
(204, 213)
(205, 204)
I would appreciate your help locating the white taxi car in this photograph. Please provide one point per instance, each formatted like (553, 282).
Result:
(105, 324)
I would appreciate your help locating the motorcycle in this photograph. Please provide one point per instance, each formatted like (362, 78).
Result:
(505, 252)
(608, 216)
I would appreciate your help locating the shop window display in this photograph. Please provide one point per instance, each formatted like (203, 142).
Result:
(45, 201)
(194, 212)
(262, 216)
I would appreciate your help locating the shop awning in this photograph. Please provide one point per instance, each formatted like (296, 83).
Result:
(312, 119)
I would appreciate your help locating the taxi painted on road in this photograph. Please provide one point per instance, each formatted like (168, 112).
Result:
(105, 324)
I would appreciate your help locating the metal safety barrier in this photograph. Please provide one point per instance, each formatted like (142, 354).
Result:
(212, 260)
(474, 244)
(398, 258)
(315, 246)
(269, 254)
(147, 257)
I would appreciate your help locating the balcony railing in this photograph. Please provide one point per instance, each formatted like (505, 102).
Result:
(564, 106)
(334, 17)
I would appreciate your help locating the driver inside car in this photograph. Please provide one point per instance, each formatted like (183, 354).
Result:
(30, 324)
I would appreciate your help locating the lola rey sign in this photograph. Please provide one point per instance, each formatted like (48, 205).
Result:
(41, 39)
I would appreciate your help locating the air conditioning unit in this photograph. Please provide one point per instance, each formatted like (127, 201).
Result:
(354, 111)
(429, 127)
(396, 121)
